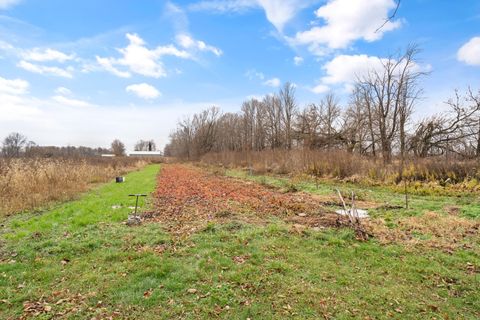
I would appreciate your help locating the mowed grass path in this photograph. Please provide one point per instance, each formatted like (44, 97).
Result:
(79, 261)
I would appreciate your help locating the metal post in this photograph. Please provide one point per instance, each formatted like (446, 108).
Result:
(136, 201)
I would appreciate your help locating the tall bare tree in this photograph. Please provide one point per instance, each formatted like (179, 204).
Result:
(289, 109)
(13, 145)
(390, 93)
(118, 148)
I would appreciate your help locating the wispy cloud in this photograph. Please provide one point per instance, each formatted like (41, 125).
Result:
(144, 91)
(278, 12)
(274, 83)
(46, 70)
(5, 4)
(70, 101)
(187, 42)
(139, 59)
(48, 54)
(13, 86)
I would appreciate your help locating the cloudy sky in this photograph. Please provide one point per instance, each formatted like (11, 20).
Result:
(85, 72)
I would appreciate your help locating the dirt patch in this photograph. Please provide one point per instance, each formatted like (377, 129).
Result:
(187, 197)
(431, 229)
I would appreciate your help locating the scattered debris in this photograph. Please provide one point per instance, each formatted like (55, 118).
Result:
(114, 207)
(134, 220)
(354, 218)
(360, 213)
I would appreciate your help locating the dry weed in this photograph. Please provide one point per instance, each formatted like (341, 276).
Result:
(28, 184)
(447, 232)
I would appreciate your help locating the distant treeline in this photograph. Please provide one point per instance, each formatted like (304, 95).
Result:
(16, 145)
(377, 122)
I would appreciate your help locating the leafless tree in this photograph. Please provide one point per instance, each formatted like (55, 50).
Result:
(289, 108)
(13, 145)
(145, 145)
(390, 94)
(118, 148)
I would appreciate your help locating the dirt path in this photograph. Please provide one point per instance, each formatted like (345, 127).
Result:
(188, 197)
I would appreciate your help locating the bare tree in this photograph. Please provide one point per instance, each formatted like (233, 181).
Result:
(289, 108)
(118, 148)
(329, 117)
(145, 145)
(390, 94)
(13, 145)
(457, 131)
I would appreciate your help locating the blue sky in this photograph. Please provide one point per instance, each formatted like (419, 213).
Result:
(86, 72)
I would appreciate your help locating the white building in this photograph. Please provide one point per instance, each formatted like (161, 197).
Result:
(146, 154)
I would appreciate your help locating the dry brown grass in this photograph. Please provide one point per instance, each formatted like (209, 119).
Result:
(431, 229)
(29, 184)
(431, 175)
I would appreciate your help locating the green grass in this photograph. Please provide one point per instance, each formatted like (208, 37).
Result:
(111, 269)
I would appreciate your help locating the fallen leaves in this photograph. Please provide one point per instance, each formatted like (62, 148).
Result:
(35, 308)
(61, 304)
(240, 259)
(148, 293)
(188, 197)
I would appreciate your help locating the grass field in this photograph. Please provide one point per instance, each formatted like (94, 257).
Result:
(80, 261)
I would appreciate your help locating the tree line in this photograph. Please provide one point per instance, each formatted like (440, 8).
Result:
(376, 122)
(17, 145)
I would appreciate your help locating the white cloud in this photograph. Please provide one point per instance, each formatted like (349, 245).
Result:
(348, 68)
(40, 69)
(188, 42)
(42, 55)
(5, 45)
(13, 87)
(278, 12)
(344, 70)
(469, 53)
(70, 102)
(298, 60)
(253, 74)
(4, 4)
(223, 6)
(274, 82)
(321, 88)
(137, 58)
(345, 21)
(63, 91)
(144, 91)
(107, 64)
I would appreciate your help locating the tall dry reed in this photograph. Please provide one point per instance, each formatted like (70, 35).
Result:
(29, 184)
(339, 164)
